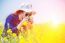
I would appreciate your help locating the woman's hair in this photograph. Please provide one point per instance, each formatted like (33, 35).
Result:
(19, 11)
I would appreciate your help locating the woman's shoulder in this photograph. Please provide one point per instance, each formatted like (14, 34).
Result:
(10, 17)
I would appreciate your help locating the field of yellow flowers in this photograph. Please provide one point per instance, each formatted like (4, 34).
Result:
(40, 33)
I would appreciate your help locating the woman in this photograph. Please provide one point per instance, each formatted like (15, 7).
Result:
(14, 21)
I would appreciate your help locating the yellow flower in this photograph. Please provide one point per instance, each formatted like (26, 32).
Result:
(25, 23)
(9, 31)
(22, 40)
(13, 34)
(5, 38)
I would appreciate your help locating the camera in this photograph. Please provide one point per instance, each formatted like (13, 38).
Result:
(28, 14)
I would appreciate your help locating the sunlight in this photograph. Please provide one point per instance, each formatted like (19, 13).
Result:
(55, 21)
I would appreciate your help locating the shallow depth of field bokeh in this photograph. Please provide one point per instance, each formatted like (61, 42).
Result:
(40, 33)
(44, 31)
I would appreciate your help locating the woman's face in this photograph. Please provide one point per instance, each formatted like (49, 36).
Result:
(22, 15)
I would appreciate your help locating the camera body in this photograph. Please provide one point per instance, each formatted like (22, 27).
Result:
(28, 14)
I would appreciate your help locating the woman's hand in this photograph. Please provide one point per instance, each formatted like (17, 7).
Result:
(22, 22)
